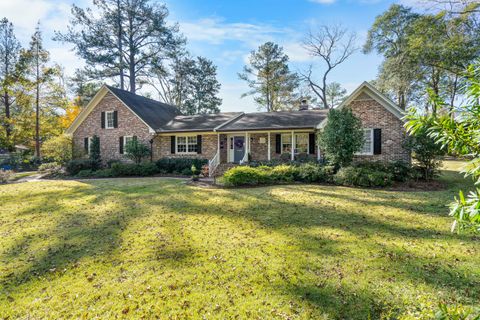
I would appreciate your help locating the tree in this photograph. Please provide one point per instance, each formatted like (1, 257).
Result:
(333, 45)
(335, 94)
(83, 89)
(9, 55)
(58, 149)
(205, 88)
(121, 38)
(341, 137)
(457, 131)
(72, 110)
(272, 83)
(425, 149)
(136, 150)
(94, 154)
(37, 76)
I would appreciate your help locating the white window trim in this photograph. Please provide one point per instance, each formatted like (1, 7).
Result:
(371, 145)
(291, 142)
(186, 144)
(90, 139)
(106, 119)
(125, 144)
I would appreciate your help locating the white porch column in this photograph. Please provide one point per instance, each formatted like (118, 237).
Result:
(269, 147)
(247, 144)
(292, 149)
(218, 146)
(318, 149)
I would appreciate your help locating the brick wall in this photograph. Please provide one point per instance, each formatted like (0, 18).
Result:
(162, 147)
(128, 125)
(374, 115)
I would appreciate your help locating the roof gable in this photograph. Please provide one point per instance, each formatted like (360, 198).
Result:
(152, 113)
(368, 92)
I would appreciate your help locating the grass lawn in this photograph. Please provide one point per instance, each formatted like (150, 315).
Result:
(149, 247)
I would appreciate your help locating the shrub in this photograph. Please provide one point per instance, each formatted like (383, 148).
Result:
(178, 165)
(362, 177)
(88, 173)
(313, 173)
(73, 167)
(341, 137)
(136, 150)
(285, 157)
(243, 176)
(52, 168)
(111, 162)
(282, 173)
(133, 169)
(94, 156)
(58, 149)
(401, 171)
(5, 175)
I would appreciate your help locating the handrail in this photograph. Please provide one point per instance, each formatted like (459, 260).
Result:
(245, 158)
(213, 164)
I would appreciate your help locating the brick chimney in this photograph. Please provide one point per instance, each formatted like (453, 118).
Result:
(303, 105)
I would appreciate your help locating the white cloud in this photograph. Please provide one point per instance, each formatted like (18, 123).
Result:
(323, 1)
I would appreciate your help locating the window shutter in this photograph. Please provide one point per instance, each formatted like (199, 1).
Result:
(172, 144)
(311, 143)
(85, 144)
(115, 119)
(102, 119)
(199, 144)
(120, 143)
(278, 143)
(377, 141)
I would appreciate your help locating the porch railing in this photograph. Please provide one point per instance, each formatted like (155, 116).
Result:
(213, 164)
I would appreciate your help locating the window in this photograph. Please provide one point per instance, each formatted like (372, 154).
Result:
(126, 140)
(367, 148)
(187, 144)
(301, 143)
(109, 119)
(88, 144)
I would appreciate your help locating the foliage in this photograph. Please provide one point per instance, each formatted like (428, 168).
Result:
(72, 110)
(58, 149)
(458, 133)
(311, 251)
(334, 94)
(48, 166)
(73, 167)
(94, 154)
(425, 149)
(341, 137)
(130, 169)
(136, 150)
(5, 175)
(121, 39)
(180, 165)
(269, 78)
(456, 312)
(310, 173)
(363, 177)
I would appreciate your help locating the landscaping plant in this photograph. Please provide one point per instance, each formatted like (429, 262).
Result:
(136, 150)
(458, 132)
(94, 155)
(58, 149)
(341, 137)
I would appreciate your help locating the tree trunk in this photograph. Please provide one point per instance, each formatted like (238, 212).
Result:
(131, 62)
(120, 46)
(37, 104)
(8, 129)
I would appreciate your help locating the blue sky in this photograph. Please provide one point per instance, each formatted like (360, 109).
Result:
(227, 31)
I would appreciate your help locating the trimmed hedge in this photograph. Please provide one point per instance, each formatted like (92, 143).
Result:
(180, 165)
(73, 167)
(363, 177)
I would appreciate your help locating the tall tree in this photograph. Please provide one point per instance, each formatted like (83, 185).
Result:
(333, 45)
(83, 89)
(121, 38)
(272, 83)
(9, 54)
(41, 86)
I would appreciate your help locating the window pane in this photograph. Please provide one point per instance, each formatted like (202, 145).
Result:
(192, 139)
(301, 143)
(286, 143)
(109, 119)
(181, 140)
(192, 148)
(367, 146)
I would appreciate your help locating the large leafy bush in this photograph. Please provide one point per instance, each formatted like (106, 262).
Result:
(363, 177)
(341, 137)
(73, 167)
(179, 165)
(58, 149)
(136, 151)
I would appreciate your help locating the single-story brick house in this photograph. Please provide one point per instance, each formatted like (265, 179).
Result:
(116, 116)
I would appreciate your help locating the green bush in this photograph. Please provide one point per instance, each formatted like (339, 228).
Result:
(88, 173)
(5, 175)
(58, 149)
(133, 169)
(244, 176)
(281, 174)
(73, 167)
(362, 177)
(136, 150)
(314, 173)
(48, 166)
(178, 165)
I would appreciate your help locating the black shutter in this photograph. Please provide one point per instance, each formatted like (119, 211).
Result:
(102, 119)
(377, 141)
(115, 119)
(278, 143)
(172, 144)
(199, 144)
(120, 144)
(311, 143)
(85, 144)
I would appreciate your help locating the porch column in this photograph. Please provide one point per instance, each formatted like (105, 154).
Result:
(318, 150)
(247, 144)
(292, 149)
(269, 151)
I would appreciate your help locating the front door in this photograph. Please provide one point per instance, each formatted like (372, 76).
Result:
(238, 148)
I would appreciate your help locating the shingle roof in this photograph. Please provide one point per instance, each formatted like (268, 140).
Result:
(199, 122)
(276, 120)
(154, 113)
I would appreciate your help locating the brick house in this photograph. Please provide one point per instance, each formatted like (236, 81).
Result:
(117, 116)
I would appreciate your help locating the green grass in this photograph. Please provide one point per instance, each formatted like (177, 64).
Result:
(149, 247)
